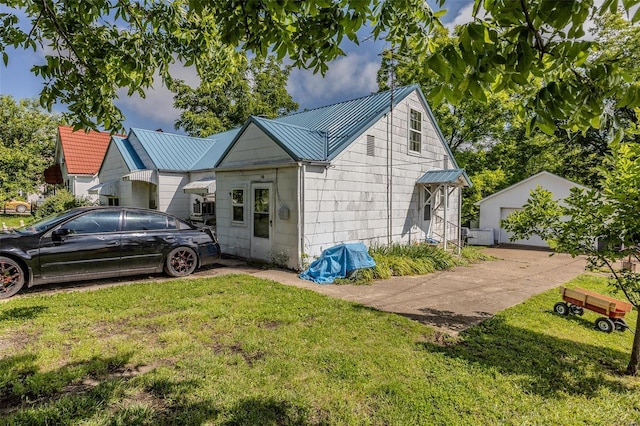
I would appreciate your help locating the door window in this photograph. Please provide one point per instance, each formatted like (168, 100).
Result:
(94, 222)
(261, 214)
(144, 221)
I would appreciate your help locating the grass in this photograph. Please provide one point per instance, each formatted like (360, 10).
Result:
(417, 259)
(13, 221)
(235, 350)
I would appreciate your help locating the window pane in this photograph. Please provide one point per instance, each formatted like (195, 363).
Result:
(142, 221)
(261, 225)
(237, 196)
(261, 200)
(94, 222)
(238, 214)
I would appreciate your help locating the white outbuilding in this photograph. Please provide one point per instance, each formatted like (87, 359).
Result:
(498, 206)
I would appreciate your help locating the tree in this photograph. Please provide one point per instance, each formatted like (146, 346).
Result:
(257, 88)
(27, 144)
(587, 217)
(104, 45)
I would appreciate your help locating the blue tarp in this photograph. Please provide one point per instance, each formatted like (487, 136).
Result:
(337, 262)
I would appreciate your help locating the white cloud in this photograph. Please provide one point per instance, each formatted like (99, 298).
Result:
(158, 103)
(348, 77)
(464, 15)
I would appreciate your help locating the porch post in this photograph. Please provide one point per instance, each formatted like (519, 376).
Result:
(446, 204)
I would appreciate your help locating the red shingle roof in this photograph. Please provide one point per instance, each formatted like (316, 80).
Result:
(83, 151)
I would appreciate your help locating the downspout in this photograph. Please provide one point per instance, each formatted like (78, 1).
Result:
(301, 168)
(459, 219)
(446, 221)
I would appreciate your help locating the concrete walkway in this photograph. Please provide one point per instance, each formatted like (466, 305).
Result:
(450, 300)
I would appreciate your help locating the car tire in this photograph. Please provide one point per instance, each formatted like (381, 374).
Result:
(21, 208)
(181, 261)
(11, 277)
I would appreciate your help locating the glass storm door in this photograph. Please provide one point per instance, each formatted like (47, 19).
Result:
(261, 221)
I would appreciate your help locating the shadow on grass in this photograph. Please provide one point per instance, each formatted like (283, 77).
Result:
(255, 411)
(446, 319)
(75, 390)
(26, 313)
(543, 364)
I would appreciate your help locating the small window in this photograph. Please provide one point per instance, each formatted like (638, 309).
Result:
(415, 131)
(94, 222)
(426, 206)
(144, 221)
(113, 201)
(237, 205)
(371, 145)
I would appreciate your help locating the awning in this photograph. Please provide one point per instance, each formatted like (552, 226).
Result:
(108, 189)
(53, 175)
(452, 177)
(204, 186)
(150, 176)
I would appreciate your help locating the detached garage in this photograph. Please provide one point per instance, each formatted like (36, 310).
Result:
(501, 204)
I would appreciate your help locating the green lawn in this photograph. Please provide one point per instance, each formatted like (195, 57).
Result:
(13, 221)
(238, 350)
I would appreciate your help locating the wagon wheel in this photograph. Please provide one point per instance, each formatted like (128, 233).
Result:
(576, 310)
(561, 308)
(620, 324)
(605, 324)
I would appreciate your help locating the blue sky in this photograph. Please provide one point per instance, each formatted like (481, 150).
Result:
(348, 77)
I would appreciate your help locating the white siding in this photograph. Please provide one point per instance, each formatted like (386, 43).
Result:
(235, 239)
(171, 197)
(348, 202)
(113, 168)
(81, 186)
(255, 148)
(497, 206)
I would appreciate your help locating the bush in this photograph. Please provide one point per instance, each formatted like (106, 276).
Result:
(63, 200)
(415, 259)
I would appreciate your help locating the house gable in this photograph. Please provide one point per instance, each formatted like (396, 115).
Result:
(253, 146)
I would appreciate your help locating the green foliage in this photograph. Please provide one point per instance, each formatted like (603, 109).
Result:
(241, 350)
(602, 225)
(61, 201)
(27, 144)
(255, 88)
(416, 259)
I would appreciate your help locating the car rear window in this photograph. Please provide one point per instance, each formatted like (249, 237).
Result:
(147, 221)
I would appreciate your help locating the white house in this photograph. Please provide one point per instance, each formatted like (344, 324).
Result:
(164, 171)
(77, 160)
(375, 169)
(498, 206)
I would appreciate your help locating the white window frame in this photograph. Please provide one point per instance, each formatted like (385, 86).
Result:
(415, 131)
(242, 205)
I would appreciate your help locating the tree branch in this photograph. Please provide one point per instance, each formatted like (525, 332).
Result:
(534, 30)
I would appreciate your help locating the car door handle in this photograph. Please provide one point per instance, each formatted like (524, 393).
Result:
(113, 243)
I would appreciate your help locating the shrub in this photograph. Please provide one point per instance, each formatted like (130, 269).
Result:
(61, 201)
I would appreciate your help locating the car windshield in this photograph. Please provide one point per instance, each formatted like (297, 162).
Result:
(46, 223)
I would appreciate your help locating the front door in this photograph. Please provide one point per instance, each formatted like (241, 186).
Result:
(427, 210)
(261, 221)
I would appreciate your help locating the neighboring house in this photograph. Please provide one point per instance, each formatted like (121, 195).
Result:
(77, 160)
(498, 206)
(164, 171)
(359, 170)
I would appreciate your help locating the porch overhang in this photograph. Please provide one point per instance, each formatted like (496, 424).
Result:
(204, 187)
(149, 176)
(108, 189)
(452, 177)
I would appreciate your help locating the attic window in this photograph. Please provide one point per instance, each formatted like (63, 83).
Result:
(415, 131)
(371, 145)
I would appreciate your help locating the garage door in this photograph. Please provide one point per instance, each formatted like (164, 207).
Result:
(504, 235)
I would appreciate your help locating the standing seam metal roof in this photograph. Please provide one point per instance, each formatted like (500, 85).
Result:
(130, 156)
(172, 152)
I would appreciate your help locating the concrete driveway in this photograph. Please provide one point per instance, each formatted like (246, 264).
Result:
(451, 300)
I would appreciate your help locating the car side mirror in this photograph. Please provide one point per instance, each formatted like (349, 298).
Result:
(59, 234)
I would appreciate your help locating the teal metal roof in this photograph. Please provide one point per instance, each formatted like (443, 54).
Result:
(172, 152)
(299, 142)
(130, 156)
(323, 133)
(456, 177)
(221, 142)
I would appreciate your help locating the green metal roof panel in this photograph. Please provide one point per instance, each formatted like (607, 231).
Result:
(172, 152)
(130, 156)
(457, 177)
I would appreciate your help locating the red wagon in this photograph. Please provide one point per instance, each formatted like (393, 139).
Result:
(576, 300)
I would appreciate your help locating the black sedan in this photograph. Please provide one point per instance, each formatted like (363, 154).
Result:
(100, 242)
